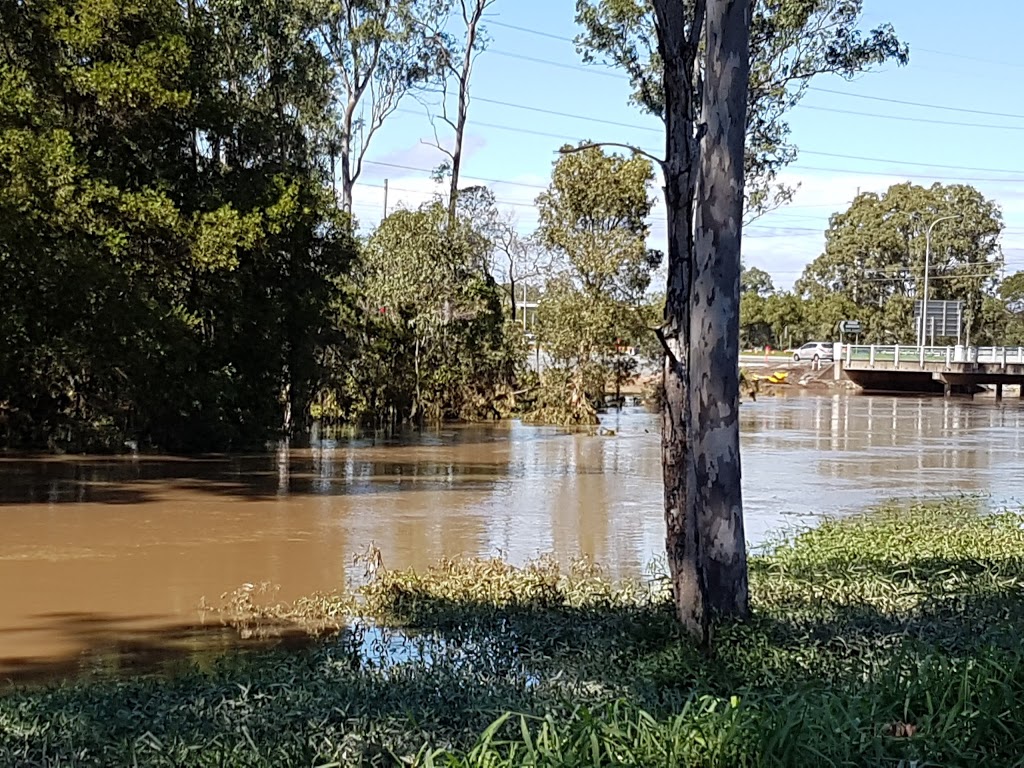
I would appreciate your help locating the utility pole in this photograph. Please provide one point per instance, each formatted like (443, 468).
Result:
(922, 337)
(385, 198)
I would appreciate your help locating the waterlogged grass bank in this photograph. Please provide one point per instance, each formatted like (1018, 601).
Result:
(888, 639)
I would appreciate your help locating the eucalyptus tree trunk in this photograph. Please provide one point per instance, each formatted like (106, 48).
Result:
(715, 309)
(677, 44)
(700, 428)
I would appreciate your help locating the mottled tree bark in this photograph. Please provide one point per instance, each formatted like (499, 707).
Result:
(715, 308)
(700, 427)
(677, 43)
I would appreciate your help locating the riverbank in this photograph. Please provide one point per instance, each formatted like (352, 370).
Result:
(886, 637)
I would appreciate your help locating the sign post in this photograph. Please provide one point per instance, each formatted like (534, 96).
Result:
(851, 327)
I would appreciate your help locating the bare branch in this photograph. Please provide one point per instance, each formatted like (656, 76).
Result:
(599, 144)
(437, 144)
(664, 345)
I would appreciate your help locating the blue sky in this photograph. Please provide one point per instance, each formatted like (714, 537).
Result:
(963, 57)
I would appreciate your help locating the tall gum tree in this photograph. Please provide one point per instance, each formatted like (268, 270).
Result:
(380, 50)
(715, 309)
(691, 79)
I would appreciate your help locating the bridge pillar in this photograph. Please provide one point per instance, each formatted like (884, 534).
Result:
(999, 392)
(837, 362)
(947, 389)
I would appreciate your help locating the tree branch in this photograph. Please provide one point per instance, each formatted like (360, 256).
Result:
(664, 345)
(599, 144)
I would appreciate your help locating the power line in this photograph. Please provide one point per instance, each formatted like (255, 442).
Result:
(904, 118)
(547, 62)
(907, 162)
(772, 232)
(619, 76)
(528, 131)
(779, 231)
(932, 51)
(566, 137)
(968, 276)
(570, 115)
(915, 103)
(968, 58)
(531, 31)
(477, 178)
(906, 175)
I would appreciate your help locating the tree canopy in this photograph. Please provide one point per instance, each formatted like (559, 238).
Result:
(875, 256)
(162, 219)
(593, 218)
(791, 42)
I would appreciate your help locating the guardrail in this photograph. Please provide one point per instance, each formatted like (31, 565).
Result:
(899, 354)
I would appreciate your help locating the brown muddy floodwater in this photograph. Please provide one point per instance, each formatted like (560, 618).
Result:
(104, 561)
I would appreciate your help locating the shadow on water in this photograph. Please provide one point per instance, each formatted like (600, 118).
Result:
(465, 459)
(114, 649)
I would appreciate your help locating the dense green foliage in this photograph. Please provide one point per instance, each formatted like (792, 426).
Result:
(170, 256)
(887, 637)
(175, 267)
(872, 270)
(440, 347)
(875, 253)
(593, 218)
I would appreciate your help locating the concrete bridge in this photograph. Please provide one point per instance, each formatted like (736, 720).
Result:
(960, 369)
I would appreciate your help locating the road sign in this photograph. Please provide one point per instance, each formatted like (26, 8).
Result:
(850, 326)
(943, 319)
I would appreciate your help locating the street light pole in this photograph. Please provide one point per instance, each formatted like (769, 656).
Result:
(927, 263)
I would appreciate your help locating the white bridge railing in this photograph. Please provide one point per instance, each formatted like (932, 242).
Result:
(898, 354)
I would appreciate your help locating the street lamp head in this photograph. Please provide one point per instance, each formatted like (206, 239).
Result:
(927, 259)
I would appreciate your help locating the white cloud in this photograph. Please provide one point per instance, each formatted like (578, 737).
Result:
(409, 190)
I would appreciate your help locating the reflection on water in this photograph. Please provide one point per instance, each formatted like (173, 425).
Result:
(114, 553)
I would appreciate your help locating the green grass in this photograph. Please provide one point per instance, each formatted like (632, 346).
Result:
(888, 639)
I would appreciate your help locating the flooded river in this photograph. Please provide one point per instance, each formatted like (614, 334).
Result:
(103, 560)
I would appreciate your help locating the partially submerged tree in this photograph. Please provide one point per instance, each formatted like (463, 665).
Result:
(445, 353)
(594, 218)
(171, 259)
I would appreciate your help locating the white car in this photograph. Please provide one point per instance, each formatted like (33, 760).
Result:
(814, 351)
